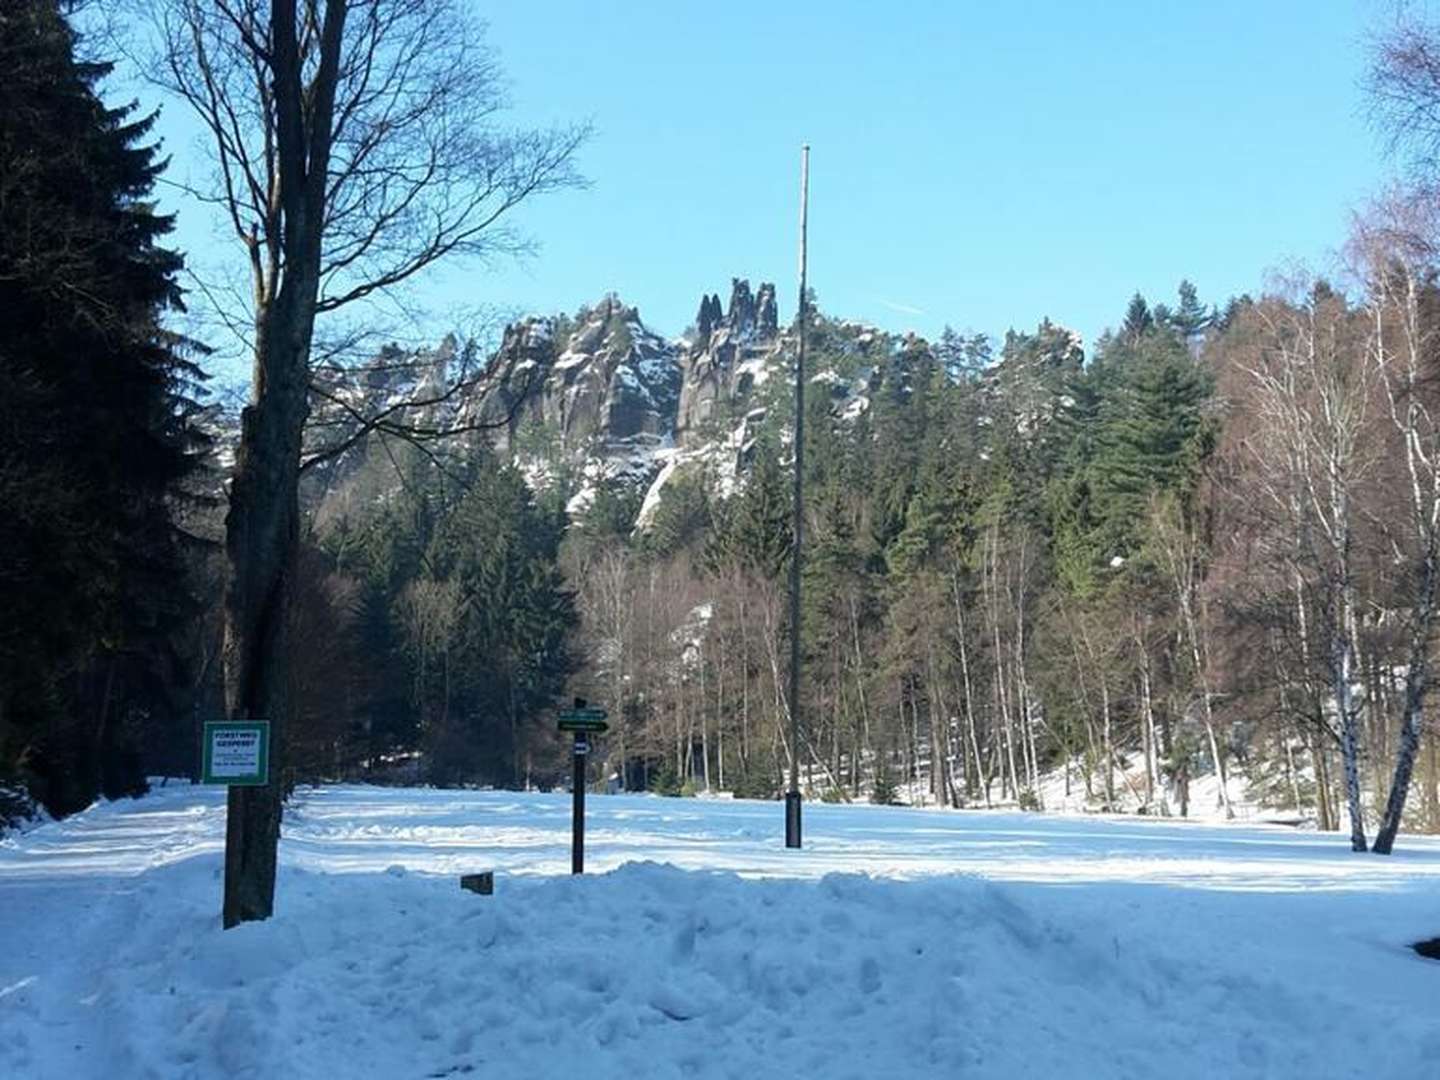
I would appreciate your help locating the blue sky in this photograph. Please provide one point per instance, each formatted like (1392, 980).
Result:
(978, 164)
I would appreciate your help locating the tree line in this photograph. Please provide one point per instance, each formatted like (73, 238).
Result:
(1208, 547)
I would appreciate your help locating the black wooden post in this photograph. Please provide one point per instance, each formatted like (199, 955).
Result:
(577, 828)
(583, 721)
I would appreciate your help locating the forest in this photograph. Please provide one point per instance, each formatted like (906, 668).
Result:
(1203, 546)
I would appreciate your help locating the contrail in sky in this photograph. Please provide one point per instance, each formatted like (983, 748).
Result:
(904, 309)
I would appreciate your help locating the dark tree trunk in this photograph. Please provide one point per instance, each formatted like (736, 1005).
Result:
(262, 531)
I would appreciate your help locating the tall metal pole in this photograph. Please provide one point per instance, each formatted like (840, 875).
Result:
(792, 797)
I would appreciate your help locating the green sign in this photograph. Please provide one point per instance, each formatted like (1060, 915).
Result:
(237, 753)
(587, 719)
(594, 726)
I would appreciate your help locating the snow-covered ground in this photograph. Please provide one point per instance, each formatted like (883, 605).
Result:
(897, 943)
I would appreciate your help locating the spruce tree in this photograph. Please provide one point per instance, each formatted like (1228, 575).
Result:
(1153, 435)
(1138, 320)
(1190, 319)
(756, 531)
(97, 432)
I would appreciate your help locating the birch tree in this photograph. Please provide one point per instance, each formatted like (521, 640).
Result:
(1398, 255)
(1402, 305)
(1312, 391)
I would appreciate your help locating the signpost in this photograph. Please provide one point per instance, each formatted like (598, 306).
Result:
(583, 720)
(236, 753)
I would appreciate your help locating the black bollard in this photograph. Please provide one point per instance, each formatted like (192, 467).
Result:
(577, 841)
(792, 819)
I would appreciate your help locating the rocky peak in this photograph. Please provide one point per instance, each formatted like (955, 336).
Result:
(741, 316)
(767, 319)
(730, 355)
(709, 317)
(752, 316)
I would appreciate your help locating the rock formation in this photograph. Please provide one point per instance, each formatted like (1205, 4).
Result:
(599, 395)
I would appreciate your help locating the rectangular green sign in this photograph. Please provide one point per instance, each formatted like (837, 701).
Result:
(586, 719)
(583, 725)
(237, 753)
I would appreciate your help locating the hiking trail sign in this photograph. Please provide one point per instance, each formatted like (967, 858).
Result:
(584, 719)
(237, 753)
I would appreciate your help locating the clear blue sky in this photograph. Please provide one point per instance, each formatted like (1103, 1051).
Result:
(974, 163)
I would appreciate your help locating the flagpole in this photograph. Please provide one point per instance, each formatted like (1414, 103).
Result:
(792, 796)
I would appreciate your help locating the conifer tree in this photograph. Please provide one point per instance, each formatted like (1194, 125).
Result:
(1190, 319)
(1138, 320)
(756, 531)
(97, 431)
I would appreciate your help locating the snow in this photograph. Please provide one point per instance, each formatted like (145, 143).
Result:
(537, 472)
(757, 367)
(569, 359)
(626, 377)
(581, 501)
(897, 943)
(717, 459)
(657, 361)
(1056, 793)
(690, 635)
(670, 460)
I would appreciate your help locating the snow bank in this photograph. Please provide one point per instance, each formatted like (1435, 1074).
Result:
(898, 942)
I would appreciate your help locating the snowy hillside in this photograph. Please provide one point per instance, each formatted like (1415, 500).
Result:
(897, 943)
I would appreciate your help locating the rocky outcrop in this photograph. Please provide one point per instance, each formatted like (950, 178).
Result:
(602, 386)
(767, 319)
(709, 317)
(599, 395)
(740, 317)
(606, 397)
(733, 354)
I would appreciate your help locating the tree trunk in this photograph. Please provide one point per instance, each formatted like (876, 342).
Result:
(1349, 736)
(261, 534)
(1107, 742)
(1325, 816)
(1417, 679)
(968, 696)
(1431, 788)
(1201, 646)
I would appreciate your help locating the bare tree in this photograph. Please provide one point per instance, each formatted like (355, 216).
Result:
(1398, 250)
(356, 143)
(1312, 389)
(1404, 91)
(430, 611)
(1182, 557)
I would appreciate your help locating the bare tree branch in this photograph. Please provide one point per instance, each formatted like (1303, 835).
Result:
(385, 421)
